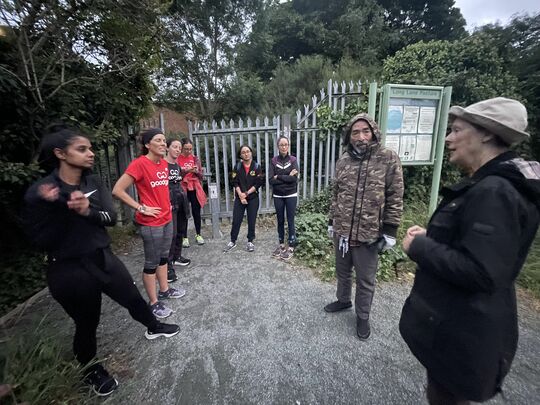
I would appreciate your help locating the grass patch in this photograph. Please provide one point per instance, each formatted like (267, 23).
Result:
(529, 278)
(39, 370)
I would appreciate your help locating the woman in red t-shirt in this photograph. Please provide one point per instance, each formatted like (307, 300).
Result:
(150, 175)
(192, 177)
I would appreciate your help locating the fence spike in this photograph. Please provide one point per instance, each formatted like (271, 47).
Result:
(222, 124)
(306, 109)
(214, 124)
(343, 87)
(205, 125)
(323, 94)
(240, 123)
(336, 87)
(298, 116)
(257, 122)
(314, 100)
(359, 86)
(231, 123)
(249, 122)
(351, 86)
(266, 121)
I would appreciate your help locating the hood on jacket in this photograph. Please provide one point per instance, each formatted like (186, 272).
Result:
(370, 121)
(524, 175)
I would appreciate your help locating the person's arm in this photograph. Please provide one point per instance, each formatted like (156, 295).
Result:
(119, 192)
(102, 212)
(272, 177)
(393, 206)
(199, 173)
(292, 177)
(488, 248)
(236, 183)
(259, 179)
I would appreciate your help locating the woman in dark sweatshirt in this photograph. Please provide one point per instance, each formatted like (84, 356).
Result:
(247, 178)
(65, 214)
(283, 177)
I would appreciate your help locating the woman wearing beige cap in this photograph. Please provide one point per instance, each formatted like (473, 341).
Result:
(460, 319)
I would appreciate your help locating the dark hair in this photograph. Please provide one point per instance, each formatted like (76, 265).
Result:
(146, 136)
(283, 137)
(242, 147)
(171, 140)
(186, 141)
(58, 136)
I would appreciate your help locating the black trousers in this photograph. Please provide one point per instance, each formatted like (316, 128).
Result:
(195, 212)
(77, 284)
(239, 209)
(179, 226)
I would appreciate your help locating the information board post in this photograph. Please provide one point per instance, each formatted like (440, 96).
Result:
(439, 152)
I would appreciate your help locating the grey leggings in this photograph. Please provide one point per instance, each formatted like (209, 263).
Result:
(157, 242)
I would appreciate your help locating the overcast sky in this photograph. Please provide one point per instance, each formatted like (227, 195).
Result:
(480, 12)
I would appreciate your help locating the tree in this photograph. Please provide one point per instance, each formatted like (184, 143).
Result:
(79, 61)
(199, 59)
(474, 69)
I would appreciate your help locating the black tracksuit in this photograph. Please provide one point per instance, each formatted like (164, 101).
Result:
(81, 264)
(253, 178)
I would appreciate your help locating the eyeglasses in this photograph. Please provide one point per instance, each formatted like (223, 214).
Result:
(282, 145)
(245, 152)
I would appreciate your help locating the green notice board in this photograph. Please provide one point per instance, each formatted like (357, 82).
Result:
(409, 121)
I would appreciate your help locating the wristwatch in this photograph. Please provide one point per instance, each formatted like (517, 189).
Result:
(141, 208)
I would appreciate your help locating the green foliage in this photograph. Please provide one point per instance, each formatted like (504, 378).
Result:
(314, 246)
(335, 120)
(529, 277)
(35, 365)
(318, 204)
(21, 277)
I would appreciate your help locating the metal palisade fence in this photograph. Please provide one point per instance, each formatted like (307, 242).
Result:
(316, 149)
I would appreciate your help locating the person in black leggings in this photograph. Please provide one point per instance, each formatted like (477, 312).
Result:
(65, 214)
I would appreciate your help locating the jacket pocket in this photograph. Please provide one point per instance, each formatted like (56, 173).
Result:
(419, 321)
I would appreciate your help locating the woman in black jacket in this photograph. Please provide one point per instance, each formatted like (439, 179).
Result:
(247, 178)
(283, 177)
(66, 214)
(460, 319)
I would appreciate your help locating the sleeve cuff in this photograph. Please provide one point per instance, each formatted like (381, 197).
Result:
(390, 230)
(417, 247)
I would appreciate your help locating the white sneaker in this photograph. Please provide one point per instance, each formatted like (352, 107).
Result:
(250, 247)
(230, 246)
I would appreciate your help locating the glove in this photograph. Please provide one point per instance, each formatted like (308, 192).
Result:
(389, 242)
(330, 231)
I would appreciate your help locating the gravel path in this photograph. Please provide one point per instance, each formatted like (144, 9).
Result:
(253, 331)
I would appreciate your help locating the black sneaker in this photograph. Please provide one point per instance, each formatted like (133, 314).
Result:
(171, 275)
(182, 261)
(362, 328)
(162, 329)
(100, 380)
(338, 306)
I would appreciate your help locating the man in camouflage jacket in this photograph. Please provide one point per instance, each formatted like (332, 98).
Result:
(365, 213)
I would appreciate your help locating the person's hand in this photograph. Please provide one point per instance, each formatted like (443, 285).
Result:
(242, 196)
(79, 203)
(243, 201)
(330, 231)
(412, 233)
(49, 192)
(388, 242)
(151, 211)
(294, 172)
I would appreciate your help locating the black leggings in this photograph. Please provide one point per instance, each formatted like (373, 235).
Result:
(77, 285)
(195, 211)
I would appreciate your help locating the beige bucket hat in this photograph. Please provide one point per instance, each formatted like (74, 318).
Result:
(503, 117)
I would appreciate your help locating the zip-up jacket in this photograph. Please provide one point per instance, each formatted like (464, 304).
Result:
(245, 181)
(367, 197)
(284, 184)
(59, 230)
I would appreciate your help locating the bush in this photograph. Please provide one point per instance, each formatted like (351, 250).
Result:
(21, 277)
(36, 367)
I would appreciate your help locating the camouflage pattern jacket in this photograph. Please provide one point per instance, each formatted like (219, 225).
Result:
(367, 199)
